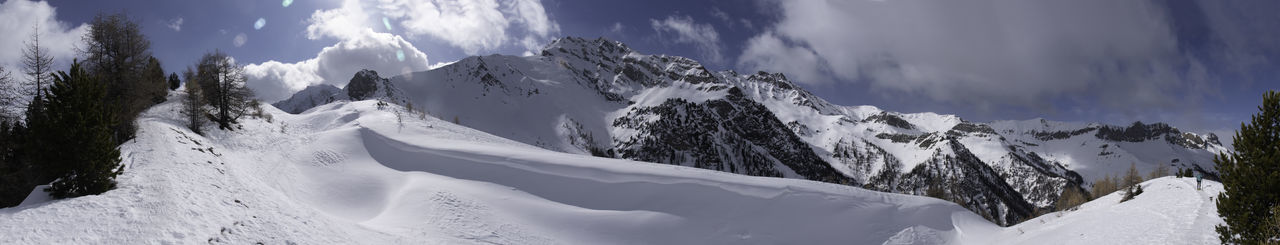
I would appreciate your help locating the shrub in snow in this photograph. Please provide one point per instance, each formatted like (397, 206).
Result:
(1131, 192)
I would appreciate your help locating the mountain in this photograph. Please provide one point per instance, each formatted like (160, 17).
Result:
(600, 97)
(354, 173)
(364, 85)
(310, 97)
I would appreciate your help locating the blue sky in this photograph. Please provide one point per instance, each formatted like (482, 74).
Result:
(1199, 65)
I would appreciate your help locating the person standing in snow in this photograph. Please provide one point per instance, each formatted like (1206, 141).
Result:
(1198, 178)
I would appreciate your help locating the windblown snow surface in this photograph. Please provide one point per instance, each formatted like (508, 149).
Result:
(349, 173)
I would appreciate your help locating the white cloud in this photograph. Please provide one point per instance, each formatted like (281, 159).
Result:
(17, 19)
(473, 26)
(992, 51)
(175, 24)
(768, 52)
(345, 22)
(720, 14)
(703, 36)
(616, 28)
(274, 81)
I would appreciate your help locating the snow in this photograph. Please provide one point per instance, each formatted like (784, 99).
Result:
(348, 173)
(1169, 211)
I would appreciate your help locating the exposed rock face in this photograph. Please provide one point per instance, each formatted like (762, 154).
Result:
(732, 134)
(363, 84)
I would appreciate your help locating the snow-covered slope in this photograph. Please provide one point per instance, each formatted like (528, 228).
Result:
(601, 98)
(350, 173)
(1169, 211)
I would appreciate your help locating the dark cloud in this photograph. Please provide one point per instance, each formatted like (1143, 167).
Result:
(992, 54)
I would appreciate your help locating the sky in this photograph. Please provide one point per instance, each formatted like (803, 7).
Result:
(1198, 65)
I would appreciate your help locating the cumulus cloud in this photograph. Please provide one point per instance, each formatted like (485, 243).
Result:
(473, 26)
(334, 65)
(984, 52)
(20, 18)
(769, 51)
(703, 36)
(175, 24)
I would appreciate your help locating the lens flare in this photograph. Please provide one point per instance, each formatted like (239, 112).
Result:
(240, 40)
(257, 25)
(287, 3)
(400, 55)
(386, 22)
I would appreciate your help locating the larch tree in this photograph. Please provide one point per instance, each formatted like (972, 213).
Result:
(37, 63)
(115, 50)
(222, 82)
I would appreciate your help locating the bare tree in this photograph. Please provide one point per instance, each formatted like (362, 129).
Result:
(9, 93)
(115, 50)
(37, 64)
(223, 85)
(193, 104)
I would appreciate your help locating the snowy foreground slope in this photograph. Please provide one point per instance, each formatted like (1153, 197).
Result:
(348, 173)
(1169, 211)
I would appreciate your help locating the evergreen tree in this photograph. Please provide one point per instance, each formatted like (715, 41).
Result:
(73, 113)
(153, 85)
(1251, 177)
(16, 179)
(174, 83)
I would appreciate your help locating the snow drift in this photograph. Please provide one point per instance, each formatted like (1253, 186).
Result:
(348, 173)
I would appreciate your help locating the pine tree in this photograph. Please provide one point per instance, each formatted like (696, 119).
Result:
(153, 84)
(73, 114)
(174, 83)
(1251, 178)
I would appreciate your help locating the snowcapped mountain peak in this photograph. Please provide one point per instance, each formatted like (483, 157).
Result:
(599, 97)
(581, 47)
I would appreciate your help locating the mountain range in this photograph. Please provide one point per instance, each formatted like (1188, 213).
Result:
(599, 97)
